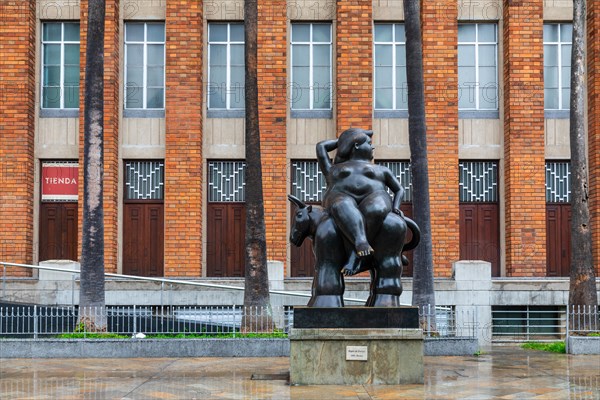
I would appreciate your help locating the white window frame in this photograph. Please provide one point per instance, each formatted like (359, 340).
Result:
(228, 88)
(62, 43)
(145, 44)
(311, 43)
(559, 44)
(396, 46)
(477, 87)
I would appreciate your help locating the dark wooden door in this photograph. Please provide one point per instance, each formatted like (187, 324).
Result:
(479, 233)
(143, 234)
(226, 231)
(58, 231)
(558, 239)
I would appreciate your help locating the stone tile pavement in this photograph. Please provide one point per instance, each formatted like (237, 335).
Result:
(503, 372)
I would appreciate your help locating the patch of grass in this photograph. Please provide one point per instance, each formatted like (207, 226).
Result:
(554, 347)
(595, 334)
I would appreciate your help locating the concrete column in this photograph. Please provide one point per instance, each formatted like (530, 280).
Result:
(473, 299)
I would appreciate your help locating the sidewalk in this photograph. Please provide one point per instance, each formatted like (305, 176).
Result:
(503, 372)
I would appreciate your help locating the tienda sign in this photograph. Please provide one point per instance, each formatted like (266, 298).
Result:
(59, 181)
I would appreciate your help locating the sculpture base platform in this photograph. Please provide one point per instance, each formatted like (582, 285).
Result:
(356, 355)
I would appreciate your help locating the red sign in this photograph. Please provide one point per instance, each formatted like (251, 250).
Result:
(59, 181)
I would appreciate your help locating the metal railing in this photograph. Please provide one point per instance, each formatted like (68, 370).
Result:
(32, 321)
(526, 323)
(44, 321)
(583, 320)
(446, 321)
(163, 282)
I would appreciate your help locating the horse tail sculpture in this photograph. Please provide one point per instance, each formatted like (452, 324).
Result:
(416, 234)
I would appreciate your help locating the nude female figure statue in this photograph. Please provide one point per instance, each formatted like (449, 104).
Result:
(356, 195)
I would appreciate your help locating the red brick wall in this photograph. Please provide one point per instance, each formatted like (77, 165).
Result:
(17, 102)
(524, 174)
(354, 59)
(593, 31)
(440, 34)
(111, 134)
(272, 75)
(183, 164)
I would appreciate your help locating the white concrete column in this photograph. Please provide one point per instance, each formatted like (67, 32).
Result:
(473, 299)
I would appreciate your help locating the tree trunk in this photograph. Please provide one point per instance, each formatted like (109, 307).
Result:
(257, 311)
(91, 300)
(582, 290)
(423, 290)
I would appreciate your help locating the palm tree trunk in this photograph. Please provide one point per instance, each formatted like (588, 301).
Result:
(582, 289)
(257, 313)
(91, 300)
(423, 290)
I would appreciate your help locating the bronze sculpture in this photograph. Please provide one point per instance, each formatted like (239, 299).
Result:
(360, 227)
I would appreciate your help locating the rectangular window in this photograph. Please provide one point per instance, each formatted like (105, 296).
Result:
(145, 65)
(226, 66)
(477, 67)
(60, 65)
(391, 91)
(311, 66)
(557, 66)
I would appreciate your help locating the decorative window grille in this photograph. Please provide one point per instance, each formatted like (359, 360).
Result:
(144, 180)
(558, 182)
(478, 181)
(401, 169)
(226, 181)
(308, 183)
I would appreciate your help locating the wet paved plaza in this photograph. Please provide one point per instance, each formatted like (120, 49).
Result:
(500, 373)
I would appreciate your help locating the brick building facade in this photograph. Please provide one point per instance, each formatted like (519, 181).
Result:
(497, 124)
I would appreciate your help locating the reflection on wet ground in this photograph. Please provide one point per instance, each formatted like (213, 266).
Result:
(503, 372)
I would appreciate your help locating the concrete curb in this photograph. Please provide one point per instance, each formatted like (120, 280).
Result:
(583, 345)
(134, 348)
(455, 346)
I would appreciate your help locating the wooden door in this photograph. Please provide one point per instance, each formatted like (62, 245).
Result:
(58, 231)
(226, 231)
(479, 233)
(558, 239)
(143, 234)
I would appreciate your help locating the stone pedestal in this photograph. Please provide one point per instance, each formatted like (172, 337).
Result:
(354, 349)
